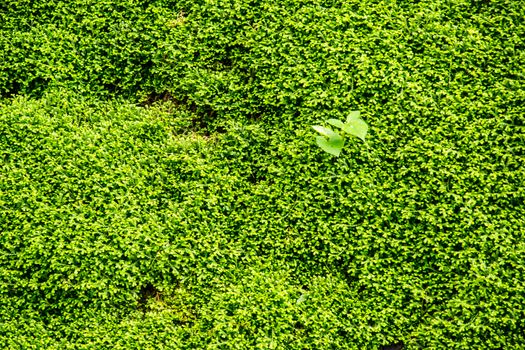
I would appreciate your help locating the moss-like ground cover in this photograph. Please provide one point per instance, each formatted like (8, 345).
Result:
(160, 185)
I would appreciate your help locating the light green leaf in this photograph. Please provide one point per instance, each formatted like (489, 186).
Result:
(356, 126)
(332, 145)
(324, 131)
(301, 299)
(353, 116)
(335, 122)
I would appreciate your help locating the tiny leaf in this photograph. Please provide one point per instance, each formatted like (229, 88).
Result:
(353, 115)
(356, 126)
(301, 299)
(337, 123)
(332, 145)
(324, 131)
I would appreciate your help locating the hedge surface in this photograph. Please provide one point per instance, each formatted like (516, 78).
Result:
(160, 186)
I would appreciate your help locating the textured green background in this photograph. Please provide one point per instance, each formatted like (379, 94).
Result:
(160, 186)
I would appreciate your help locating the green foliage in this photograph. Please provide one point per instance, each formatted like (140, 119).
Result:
(331, 141)
(159, 187)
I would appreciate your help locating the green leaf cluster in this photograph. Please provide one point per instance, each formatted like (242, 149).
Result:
(331, 141)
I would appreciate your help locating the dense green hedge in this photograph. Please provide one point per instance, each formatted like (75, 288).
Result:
(160, 186)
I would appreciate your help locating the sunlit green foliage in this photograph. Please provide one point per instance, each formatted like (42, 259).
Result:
(160, 186)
